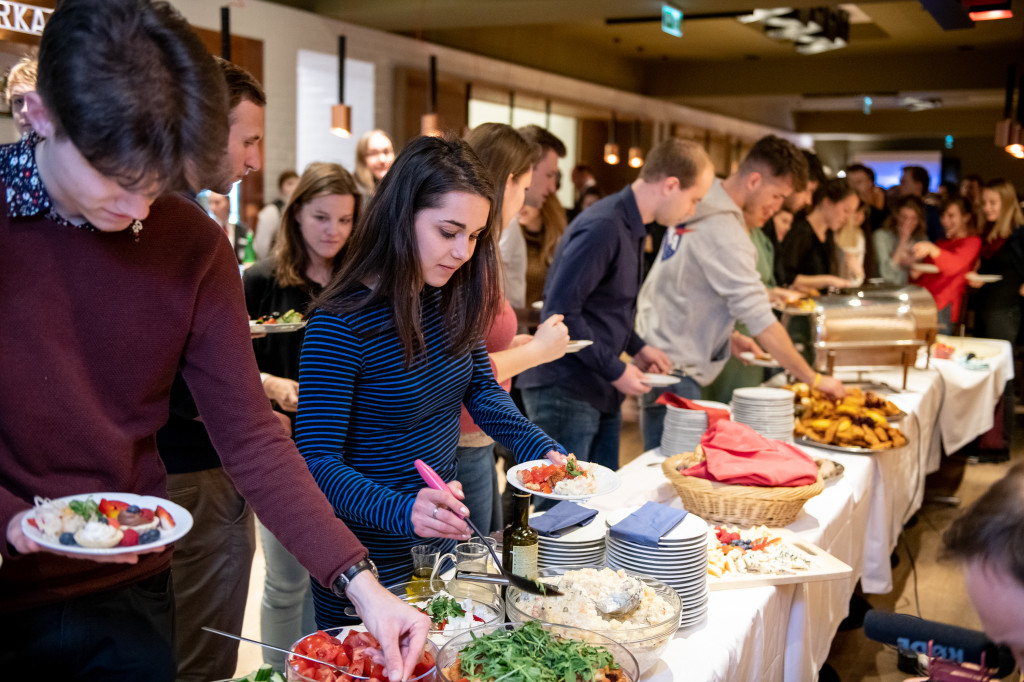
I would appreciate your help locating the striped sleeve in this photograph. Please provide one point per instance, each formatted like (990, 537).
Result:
(497, 415)
(331, 362)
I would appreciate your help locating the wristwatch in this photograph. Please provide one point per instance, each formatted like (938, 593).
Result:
(348, 575)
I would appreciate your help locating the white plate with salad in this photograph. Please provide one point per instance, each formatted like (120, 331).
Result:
(573, 480)
(77, 524)
(276, 323)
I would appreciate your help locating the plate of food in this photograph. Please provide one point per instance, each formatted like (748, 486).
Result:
(859, 423)
(105, 523)
(577, 344)
(803, 306)
(276, 323)
(503, 651)
(829, 468)
(758, 360)
(760, 556)
(573, 480)
(926, 268)
(660, 380)
(983, 279)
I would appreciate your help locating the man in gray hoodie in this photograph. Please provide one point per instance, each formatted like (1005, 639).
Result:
(706, 279)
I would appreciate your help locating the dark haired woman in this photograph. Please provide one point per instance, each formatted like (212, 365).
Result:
(808, 254)
(315, 225)
(954, 256)
(393, 352)
(894, 242)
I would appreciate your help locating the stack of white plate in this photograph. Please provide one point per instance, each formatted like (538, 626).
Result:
(680, 560)
(581, 547)
(769, 411)
(683, 428)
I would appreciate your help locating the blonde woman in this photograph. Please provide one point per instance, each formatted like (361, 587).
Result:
(1002, 253)
(374, 155)
(851, 245)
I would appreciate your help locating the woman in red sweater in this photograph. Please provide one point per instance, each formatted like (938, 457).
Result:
(955, 256)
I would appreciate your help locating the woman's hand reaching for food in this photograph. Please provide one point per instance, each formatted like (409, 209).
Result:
(556, 457)
(922, 250)
(432, 515)
(284, 392)
(551, 338)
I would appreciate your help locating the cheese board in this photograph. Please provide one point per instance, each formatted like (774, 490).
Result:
(816, 564)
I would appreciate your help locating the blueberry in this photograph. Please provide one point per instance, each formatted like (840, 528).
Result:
(67, 539)
(103, 519)
(149, 536)
(133, 509)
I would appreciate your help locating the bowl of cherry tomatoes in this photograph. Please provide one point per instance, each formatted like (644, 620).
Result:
(356, 656)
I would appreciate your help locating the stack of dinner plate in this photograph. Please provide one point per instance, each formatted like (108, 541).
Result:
(583, 546)
(769, 411)
(683, 428)
(680, 561)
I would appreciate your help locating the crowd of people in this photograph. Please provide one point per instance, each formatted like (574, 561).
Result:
(418, 272)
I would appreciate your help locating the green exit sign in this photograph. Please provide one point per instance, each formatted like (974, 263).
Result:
(672, 21)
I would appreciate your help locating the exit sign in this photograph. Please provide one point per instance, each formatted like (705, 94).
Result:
(672, 21)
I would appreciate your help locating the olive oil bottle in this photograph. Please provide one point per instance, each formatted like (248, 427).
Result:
(519, 541)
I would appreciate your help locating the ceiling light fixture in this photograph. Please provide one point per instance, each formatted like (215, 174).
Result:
(636, 152)
(813, 30)
(430, 123)
(988, 10)
(341, 113)
(611, 150)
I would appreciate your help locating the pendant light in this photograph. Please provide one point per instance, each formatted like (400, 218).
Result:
(636, 153)
(611, 150)
(341, 113)
(430, 122)
(1004, 129)
(225, 33)
(1015, 144)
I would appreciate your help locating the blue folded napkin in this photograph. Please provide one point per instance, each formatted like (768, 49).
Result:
(647, 524)
(562, 518)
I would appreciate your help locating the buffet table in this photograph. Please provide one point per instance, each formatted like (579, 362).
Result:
(784, 633)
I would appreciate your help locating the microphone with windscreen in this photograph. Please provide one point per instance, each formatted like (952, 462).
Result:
(949, 642)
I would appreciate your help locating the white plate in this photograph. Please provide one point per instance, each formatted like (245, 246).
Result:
(182, 520)
(591, 534)
(927, 268)
(984, 279)
(659, 380)
(752, 359)
(762, 393)
(279, 328)
(690, 528)
(607, 481)
(577, 344)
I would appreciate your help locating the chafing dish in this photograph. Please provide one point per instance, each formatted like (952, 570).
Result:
(873, 327)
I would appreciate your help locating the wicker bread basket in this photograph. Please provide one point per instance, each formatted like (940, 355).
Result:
(743, 505)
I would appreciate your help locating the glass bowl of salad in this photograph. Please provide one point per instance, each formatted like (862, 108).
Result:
(355, 649)
(646, 631)
(454, 606)
(553, 651)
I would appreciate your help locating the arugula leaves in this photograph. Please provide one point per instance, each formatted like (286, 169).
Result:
(441, 608)
(531, 654)
(572, 468)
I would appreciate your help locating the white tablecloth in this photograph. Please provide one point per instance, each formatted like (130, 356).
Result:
(784, 633)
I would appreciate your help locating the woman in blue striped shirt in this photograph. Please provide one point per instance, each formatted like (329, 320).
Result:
(393, 351)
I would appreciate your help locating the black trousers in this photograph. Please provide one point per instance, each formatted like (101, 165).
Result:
(123, 635)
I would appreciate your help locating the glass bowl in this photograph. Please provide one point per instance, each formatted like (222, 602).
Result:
(482, 595)
(450, 651)
(293, 675)
(647, 642)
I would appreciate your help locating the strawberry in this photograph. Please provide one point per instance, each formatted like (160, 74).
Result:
(111, 508)
(166, 521)
(113, 522)
(147, 515)
(130, 539)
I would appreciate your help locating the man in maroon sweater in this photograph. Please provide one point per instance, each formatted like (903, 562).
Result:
(105, 316)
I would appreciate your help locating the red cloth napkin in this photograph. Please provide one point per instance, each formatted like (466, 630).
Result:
(714, 413)
(738, 455)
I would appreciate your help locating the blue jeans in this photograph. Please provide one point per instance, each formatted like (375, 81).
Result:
(286, 612)
(475, 470)
(579, 426)
(652, 415)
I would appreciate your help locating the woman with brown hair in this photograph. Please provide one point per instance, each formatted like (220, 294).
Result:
(894, 242)
(509, 158)
(395, 349)
(955, 256)
(315, 225)
(374, 155)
